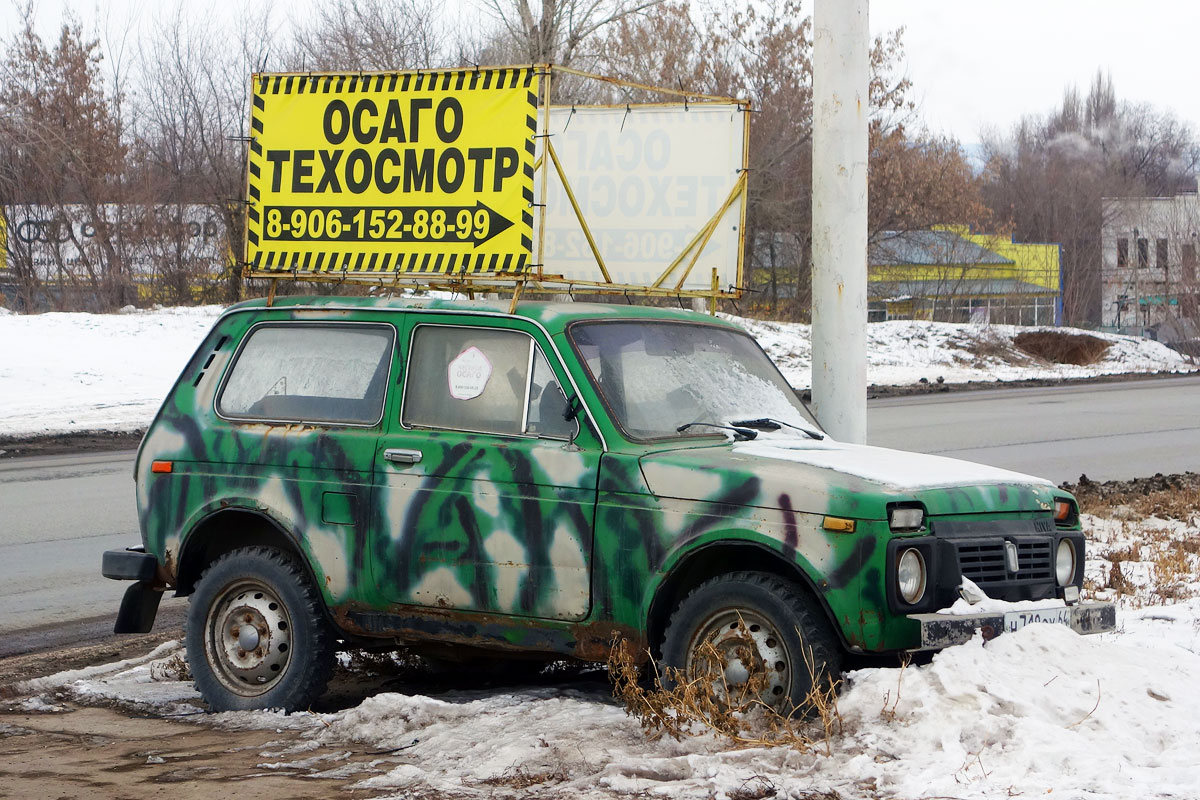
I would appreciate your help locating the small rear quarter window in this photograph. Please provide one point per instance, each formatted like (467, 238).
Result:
(291, 372)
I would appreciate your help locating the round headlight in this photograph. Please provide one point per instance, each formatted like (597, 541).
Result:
(910, 575)
(1064, 562)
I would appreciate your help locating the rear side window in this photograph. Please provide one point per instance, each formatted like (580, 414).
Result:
(310, 373)
(484, 381)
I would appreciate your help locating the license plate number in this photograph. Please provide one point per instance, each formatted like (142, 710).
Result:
(1015, 620)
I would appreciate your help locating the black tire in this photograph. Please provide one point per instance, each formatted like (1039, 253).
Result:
(256, 634)
(773, 615)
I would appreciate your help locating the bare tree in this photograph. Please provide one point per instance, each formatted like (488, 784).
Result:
(556, 31)
(1047, 176)
(191, 136)
(62, 162)
(370, 35)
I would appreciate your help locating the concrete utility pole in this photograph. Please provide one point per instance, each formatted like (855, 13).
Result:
(841, 105)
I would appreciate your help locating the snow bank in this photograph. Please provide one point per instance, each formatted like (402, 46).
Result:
(63, 373)
(904, 352)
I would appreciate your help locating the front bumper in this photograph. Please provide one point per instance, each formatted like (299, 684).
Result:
(945, 630)
(139, 606)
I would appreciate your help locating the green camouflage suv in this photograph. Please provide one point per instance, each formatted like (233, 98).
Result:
(471, 483)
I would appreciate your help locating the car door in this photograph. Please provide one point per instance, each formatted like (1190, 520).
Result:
(487, 494)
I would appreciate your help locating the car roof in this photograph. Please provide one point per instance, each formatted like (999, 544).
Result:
(553, 316)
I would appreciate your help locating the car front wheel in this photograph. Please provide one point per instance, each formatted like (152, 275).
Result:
(755, 637)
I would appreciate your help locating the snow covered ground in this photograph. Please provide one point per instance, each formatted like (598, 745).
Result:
(80, 372)
(904, 352)
(1040, 712)
(63, 373)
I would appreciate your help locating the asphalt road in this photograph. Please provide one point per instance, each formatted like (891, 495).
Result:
(1108, 431)
(59, 513)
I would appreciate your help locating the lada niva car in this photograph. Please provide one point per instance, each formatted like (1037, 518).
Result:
(467, 482)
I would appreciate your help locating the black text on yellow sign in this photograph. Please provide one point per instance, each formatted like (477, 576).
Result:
(408, 165)
(406, 169)
(451, 224)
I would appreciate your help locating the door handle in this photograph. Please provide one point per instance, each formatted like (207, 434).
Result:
(398, 456)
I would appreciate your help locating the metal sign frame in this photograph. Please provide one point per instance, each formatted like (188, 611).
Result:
(533, 277)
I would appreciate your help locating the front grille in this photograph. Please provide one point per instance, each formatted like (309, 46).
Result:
(1036, 560)
(984, 562)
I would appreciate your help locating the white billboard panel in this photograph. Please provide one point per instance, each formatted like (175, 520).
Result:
(648, 179)
(56, 242)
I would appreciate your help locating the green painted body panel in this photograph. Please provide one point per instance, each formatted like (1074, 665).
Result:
(514, 541)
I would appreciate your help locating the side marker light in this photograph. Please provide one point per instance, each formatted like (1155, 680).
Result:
(838, 524)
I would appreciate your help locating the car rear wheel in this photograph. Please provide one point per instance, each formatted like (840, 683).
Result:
(256, 635)
(755, 637)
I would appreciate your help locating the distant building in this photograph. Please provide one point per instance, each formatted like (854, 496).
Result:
(946, 274)
(1148, 269)
(950, 274)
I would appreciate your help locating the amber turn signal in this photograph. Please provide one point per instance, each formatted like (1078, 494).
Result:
(1062, 510)
(161, 466)
(838, 524)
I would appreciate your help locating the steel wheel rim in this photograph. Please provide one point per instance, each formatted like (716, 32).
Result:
(249, 639)
(738, 634)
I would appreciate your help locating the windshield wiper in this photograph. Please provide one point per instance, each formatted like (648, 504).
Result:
(770, 424)
(739, 434)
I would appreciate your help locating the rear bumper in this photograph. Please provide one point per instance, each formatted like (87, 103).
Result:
(945, 630)
(139, 606)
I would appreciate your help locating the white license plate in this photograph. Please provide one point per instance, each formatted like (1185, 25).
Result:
(1015, 620)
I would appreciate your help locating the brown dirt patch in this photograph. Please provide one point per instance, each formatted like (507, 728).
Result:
(59, 443)
(1062, 348)
(99, 752)
(1163, 496)
(19, 668)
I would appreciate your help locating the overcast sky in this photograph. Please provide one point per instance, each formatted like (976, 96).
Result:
(973, 63)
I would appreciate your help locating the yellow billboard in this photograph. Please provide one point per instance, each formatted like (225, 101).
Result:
(392, 173)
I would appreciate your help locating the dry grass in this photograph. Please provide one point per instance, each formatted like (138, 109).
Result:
(522, 778)
(1059, 347)
(988, 346)
(892, 701)
(1175, 569)
(1149, 548)
(754, 788)
(174, 668)
(695, 705)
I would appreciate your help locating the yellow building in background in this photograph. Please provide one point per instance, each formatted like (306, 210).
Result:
(950, 274)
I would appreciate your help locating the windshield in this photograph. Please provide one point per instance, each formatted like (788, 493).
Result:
(658, 376)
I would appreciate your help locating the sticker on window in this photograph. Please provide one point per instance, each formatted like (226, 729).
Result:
(469, 373)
